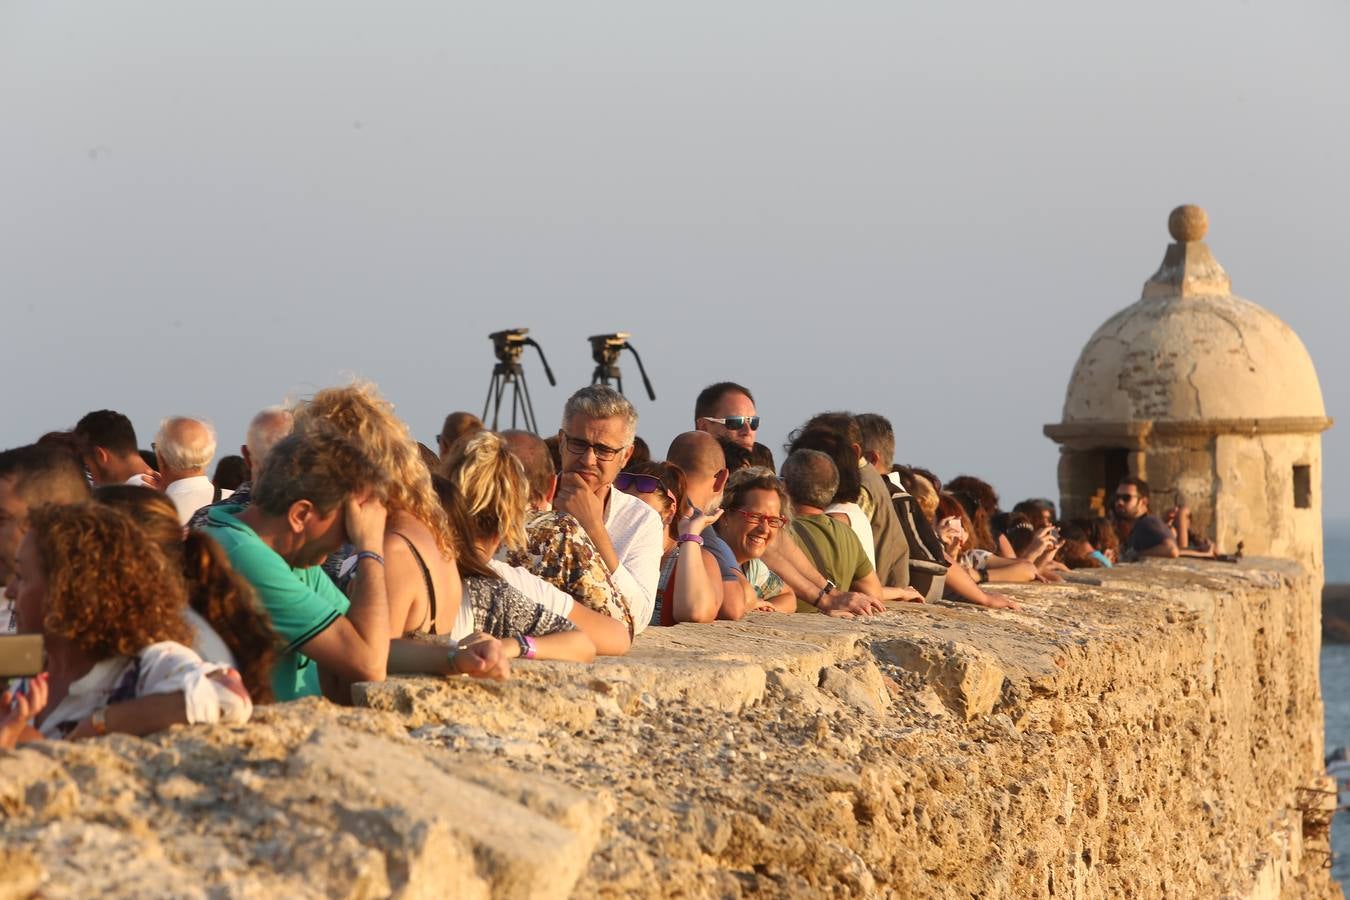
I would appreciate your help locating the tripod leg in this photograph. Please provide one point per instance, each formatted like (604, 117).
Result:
(528, 407)
(492, 383)
(497, 403)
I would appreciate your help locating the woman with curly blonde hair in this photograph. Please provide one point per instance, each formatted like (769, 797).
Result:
(109, 605)
(491, 485)
(421, 577)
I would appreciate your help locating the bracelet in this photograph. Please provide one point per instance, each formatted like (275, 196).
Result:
(369, 554)
(528, 649)
(99, 720)
(824, 592)
(690, 538)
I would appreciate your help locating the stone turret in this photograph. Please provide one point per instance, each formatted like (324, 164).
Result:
(1210, 398)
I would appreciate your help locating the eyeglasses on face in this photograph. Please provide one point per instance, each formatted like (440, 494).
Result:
(578, 447)
(1126, 498)
(755, 519)
(643, 484)
(736, 423)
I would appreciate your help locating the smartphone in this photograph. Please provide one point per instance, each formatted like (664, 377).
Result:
(21, 655)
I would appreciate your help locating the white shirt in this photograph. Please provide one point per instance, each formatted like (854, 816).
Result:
(635, 530)
(207, 642)
(165, 668)
(534, 587)
(191, 494)
(861, 525)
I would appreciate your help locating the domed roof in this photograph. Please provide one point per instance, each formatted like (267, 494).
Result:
(1190, 351)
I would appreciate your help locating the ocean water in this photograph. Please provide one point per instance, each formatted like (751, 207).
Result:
(1336, 698)
(1336, 689)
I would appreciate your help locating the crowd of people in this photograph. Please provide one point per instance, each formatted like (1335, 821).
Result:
(336, 549)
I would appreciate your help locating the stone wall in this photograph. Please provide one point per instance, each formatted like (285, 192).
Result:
(1151, 735)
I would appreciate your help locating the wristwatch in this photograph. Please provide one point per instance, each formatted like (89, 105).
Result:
(825, 592)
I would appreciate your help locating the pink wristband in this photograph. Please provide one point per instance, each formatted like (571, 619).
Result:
(528, 648)
(691, 538)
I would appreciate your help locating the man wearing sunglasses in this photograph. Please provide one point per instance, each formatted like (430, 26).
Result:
(1141, 533)
(596, 441)
(727, 409)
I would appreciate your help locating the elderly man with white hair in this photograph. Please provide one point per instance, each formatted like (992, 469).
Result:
(265, 431)
(183, 449)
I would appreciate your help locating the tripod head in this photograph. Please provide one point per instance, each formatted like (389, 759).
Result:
(605, 350)
(509, 346)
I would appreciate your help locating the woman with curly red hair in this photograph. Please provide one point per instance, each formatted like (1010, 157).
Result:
(230, 628)
(109, 605)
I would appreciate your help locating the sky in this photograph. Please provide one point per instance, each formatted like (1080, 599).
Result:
(922, 210)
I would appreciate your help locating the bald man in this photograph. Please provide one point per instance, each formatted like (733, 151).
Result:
(183, 449)
(700, 457)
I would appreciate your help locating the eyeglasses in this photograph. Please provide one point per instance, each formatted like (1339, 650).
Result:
(1126, 498)
(578, 447)
(736, 423)
(643, 484)
(756, 519)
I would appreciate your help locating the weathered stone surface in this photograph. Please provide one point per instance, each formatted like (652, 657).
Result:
(1145, 737)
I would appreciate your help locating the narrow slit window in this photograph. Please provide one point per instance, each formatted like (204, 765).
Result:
(1303, 487)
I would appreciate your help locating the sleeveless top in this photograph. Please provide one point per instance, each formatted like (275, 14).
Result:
(430, 627)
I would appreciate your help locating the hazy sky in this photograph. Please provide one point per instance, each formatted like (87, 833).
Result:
(919, 210)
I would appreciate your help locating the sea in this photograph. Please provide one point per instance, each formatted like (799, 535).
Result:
(1336, 692)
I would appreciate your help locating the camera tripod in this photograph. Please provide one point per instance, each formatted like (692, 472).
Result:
(509, 345)
(605, 349)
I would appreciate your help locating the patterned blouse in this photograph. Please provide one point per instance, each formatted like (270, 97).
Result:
(558, 550)
(503, 612)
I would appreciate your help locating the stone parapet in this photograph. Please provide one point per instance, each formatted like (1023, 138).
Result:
(1152, 734)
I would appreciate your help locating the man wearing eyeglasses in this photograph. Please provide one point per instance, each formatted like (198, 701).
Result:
(727, 409)
(596, 441)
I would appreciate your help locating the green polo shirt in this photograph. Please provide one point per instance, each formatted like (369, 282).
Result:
(300, 602)
(834, 548)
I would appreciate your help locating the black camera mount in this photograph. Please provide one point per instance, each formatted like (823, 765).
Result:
(509, 346)
(605, 350)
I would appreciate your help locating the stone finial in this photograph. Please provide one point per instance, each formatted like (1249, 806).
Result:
(1188, 223)
(1188, 268)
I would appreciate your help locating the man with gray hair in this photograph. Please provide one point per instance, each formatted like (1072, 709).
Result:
(811, 479)
(267, 429)
(596, 441)
(183, 449)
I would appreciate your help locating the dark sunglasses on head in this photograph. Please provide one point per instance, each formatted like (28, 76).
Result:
(736, 423)
(643, 484)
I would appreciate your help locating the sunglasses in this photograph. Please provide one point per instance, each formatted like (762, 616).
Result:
(643, 484)
(755, 519)
(736, 423)
(1126, 498)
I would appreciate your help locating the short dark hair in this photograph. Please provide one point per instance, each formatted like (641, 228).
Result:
(877, 435)
(845, 424)
(1034, 506)
(1140, 484)
(810, 477)
(44, 474)
(708, 398)
(738, 457)
(320, 466)
(107, 429)
(848, 484)
(763, 456)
